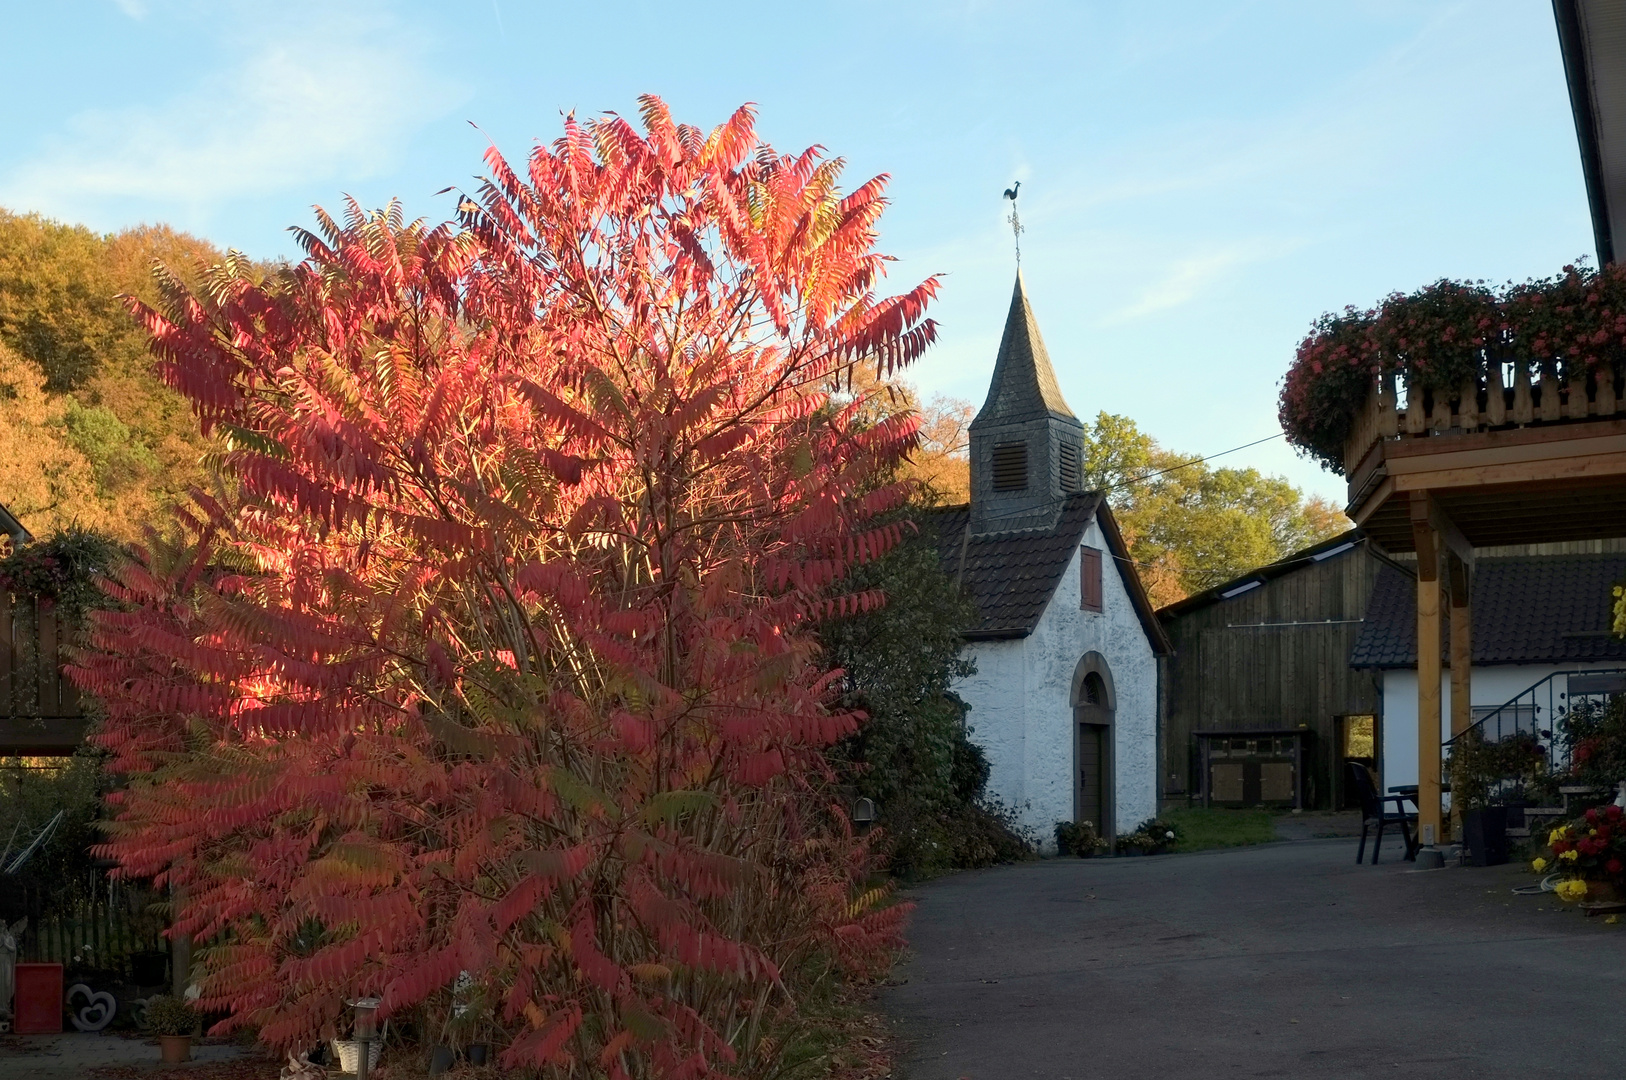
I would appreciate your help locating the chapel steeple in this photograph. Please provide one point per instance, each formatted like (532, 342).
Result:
(1026, 444)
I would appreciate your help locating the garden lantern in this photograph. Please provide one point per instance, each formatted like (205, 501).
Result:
(366, 1030)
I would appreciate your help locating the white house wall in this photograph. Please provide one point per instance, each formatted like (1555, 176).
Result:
(1021, 709)
(1492, 685)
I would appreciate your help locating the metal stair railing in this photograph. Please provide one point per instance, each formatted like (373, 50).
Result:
(1538, 709)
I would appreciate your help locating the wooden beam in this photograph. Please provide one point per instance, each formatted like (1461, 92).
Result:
(30, 736)
(1429, 823)
(1372, 503)
(1430, 530)
(1427, 542)
(1544, 470)
(1462, 624)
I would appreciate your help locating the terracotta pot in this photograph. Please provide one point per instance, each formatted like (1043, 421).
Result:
(174, 1049)
(1604, 892)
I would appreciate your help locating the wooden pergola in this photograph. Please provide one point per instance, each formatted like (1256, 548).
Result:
(1508, 458)
(1534, 462)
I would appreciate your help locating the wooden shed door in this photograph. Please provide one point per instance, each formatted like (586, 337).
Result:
(1091, 785)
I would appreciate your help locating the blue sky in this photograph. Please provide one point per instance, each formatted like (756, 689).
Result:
(1200, 179)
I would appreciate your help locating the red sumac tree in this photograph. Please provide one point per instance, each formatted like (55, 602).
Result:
(493, 653)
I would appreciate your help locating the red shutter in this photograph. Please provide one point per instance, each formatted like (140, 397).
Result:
(1089, 572)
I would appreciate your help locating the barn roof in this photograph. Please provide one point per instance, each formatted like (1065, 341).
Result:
(1530, 609)
(1341, 544)
(1012, 575)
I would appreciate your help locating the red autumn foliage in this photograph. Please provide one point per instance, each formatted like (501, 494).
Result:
(497, 657)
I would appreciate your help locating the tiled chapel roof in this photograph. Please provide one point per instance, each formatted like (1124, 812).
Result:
(1013, 575)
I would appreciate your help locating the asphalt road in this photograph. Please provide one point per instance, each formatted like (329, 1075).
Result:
(1284, 960)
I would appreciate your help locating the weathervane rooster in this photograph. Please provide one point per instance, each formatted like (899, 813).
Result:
(1016, 222)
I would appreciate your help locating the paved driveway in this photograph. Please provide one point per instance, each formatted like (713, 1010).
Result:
(1284, 960)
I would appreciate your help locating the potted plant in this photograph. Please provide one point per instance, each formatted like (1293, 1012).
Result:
(174, 1022)
(1078, 839)
(1149, 838)
(1591, 852)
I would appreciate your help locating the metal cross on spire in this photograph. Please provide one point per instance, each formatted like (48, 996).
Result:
(1016, 221)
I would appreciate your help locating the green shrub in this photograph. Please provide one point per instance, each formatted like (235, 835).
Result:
(166, 1015)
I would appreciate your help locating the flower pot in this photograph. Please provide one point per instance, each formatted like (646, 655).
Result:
(1484, 831)
(440, 1060)
(174, 1049)
(478, 1053)
(347, 1053)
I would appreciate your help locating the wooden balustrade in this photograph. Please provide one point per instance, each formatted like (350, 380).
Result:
(40, 712)
(1479, 404)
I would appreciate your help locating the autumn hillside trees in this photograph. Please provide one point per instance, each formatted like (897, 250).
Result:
(90, 437)
(498, 659)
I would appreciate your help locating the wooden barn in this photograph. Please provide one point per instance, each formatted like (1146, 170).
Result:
(1262, 706)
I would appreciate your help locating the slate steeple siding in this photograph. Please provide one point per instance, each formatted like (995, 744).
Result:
(1024, 408)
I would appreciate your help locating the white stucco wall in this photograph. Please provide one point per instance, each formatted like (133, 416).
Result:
(1021, 708)
(1491, 686)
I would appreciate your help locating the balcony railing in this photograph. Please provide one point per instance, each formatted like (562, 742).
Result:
(1504, 394)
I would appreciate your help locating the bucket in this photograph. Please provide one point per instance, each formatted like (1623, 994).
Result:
(348, 1054)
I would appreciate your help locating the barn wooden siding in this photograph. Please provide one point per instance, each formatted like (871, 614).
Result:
(40, 713)
(1229, 671)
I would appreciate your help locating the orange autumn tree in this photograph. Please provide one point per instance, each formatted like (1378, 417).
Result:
(496, 658)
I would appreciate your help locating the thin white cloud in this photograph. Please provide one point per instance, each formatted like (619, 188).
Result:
(328, 102)
(135, 9)
(1190, 277)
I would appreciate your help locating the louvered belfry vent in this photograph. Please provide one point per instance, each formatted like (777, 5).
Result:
(1011, 466)
(1069, 467)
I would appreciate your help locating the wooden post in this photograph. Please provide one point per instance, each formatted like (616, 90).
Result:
(1495, 393)
(1429, 551)
(1524, 410)
(1461, 660)
(180, 948)
(1552, 407)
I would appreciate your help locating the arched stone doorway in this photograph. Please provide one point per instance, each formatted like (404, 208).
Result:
(1094, 702)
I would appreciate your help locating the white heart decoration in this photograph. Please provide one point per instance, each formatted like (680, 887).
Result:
(98, 1011)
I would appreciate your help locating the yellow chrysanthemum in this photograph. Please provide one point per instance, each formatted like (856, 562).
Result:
(1570, 856)
(1557, 834)
(1539, 865)
(1571, 890)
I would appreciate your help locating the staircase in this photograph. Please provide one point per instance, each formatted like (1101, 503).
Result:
(1539, 712)
(1538, 820)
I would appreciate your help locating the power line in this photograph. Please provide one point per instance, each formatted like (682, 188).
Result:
(1188, 464)
(1140, 479)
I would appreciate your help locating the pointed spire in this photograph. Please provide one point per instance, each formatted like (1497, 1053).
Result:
(1024, 384)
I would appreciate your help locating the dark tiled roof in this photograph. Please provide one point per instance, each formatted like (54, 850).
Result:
(1024, 384)
(1532, 609)
(1012, 575)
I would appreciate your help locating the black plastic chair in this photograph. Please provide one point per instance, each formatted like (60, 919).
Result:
(1375, 812)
